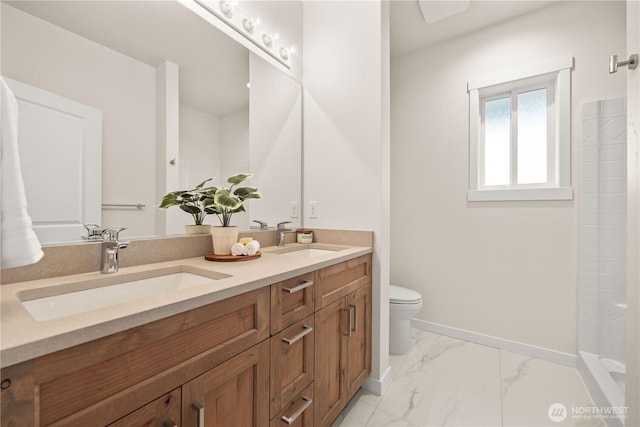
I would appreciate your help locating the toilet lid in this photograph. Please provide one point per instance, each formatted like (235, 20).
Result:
(400, 295)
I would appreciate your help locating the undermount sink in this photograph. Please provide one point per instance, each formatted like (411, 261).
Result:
(309, 252)
(74, 298)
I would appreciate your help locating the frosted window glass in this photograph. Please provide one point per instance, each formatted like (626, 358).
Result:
(497, 142)
(532, 137)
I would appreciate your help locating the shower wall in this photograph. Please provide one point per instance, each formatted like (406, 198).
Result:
(601, 275)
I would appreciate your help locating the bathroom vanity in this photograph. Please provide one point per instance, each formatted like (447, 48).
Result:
(281, 340)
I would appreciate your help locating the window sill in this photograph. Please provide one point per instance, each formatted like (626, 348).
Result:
(520, 194)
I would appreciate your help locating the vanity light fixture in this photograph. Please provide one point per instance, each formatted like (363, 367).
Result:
(249, 24)
(232, 14)
(267, 40)
(226, 8)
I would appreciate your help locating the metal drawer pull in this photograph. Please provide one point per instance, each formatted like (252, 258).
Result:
(355, 317)
(306, 330)
(200, 408)
(348, 312)
(290, 420)
(169, 423)
(300, 287)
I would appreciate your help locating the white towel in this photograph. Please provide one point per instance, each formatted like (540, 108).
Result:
(20, 246)
(238, 249)
(253, 247)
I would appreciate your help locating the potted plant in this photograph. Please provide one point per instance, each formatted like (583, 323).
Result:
(220, 201)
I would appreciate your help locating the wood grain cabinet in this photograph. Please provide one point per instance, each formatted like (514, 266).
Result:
(235, 393)
(162, 412)
(343, 336)
(291, 354)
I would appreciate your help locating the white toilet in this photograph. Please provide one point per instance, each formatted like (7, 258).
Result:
(403, 305)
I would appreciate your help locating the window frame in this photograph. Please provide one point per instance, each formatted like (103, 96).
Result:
(555, 75)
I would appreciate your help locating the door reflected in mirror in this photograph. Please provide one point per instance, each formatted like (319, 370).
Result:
(169, 86)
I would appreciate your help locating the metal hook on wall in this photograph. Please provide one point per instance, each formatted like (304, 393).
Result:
(614, 64)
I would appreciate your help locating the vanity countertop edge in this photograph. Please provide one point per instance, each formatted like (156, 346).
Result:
(24, 338)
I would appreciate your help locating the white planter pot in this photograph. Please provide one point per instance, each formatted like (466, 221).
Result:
(197, 229)
(223, 239)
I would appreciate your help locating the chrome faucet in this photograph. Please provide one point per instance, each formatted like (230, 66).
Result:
(263, 224)
(281, 232)
(111, 248)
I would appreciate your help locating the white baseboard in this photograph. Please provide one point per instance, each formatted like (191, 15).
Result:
(378, 386)
(496, 342)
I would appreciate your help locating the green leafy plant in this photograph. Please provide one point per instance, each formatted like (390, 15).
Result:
(221, 201)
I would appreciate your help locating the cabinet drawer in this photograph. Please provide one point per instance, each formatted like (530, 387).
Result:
(100, 381)
(292, 362)
(291, 301)
(336, 281)
(162, 412)
(298, 412)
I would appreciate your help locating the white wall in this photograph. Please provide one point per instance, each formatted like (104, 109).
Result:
(38, 53)
(199, 147)
(234, 155)
(506, 269)
(344, 142)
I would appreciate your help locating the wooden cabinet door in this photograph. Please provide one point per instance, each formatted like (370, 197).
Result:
(162, 412)
(359, 343)
(235, 393)
(291, 301)
(331, 346)
(292, 362)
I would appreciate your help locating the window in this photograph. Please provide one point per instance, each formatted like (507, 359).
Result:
(519, 133)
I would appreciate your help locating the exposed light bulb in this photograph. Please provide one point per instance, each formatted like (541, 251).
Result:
(249, 24)
(267, 40)
(227, 8)
(284, 53)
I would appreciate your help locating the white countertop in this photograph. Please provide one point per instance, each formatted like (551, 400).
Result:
(23, 338)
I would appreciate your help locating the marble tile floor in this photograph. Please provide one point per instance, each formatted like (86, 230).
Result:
(449, 382)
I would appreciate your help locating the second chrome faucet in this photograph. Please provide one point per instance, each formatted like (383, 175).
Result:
(111, 248)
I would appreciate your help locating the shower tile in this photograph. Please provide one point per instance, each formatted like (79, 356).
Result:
(588, 264)
(588, 249)
(612, 185)
(612, 169)
(614, 282)
(611, 233)
(611, 201)
(612, 152)
(612, 217)
(612, 266)
(590, 153)
(530, 386)
(588, 295)
(588, 233)
(589, 170)
(588, 280)
(589, 201)
(613, 106)
(612, 130)
(589, 131)
(589, 185)
(588, 311)
(590, 109)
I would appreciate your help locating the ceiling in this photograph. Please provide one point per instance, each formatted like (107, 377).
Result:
(409, 31)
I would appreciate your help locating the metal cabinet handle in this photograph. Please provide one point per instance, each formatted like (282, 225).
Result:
(348, 312)
(290, 420)
(169, 423)
(355, 317)
(300, 287)
(306, 330)
(200, 408)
